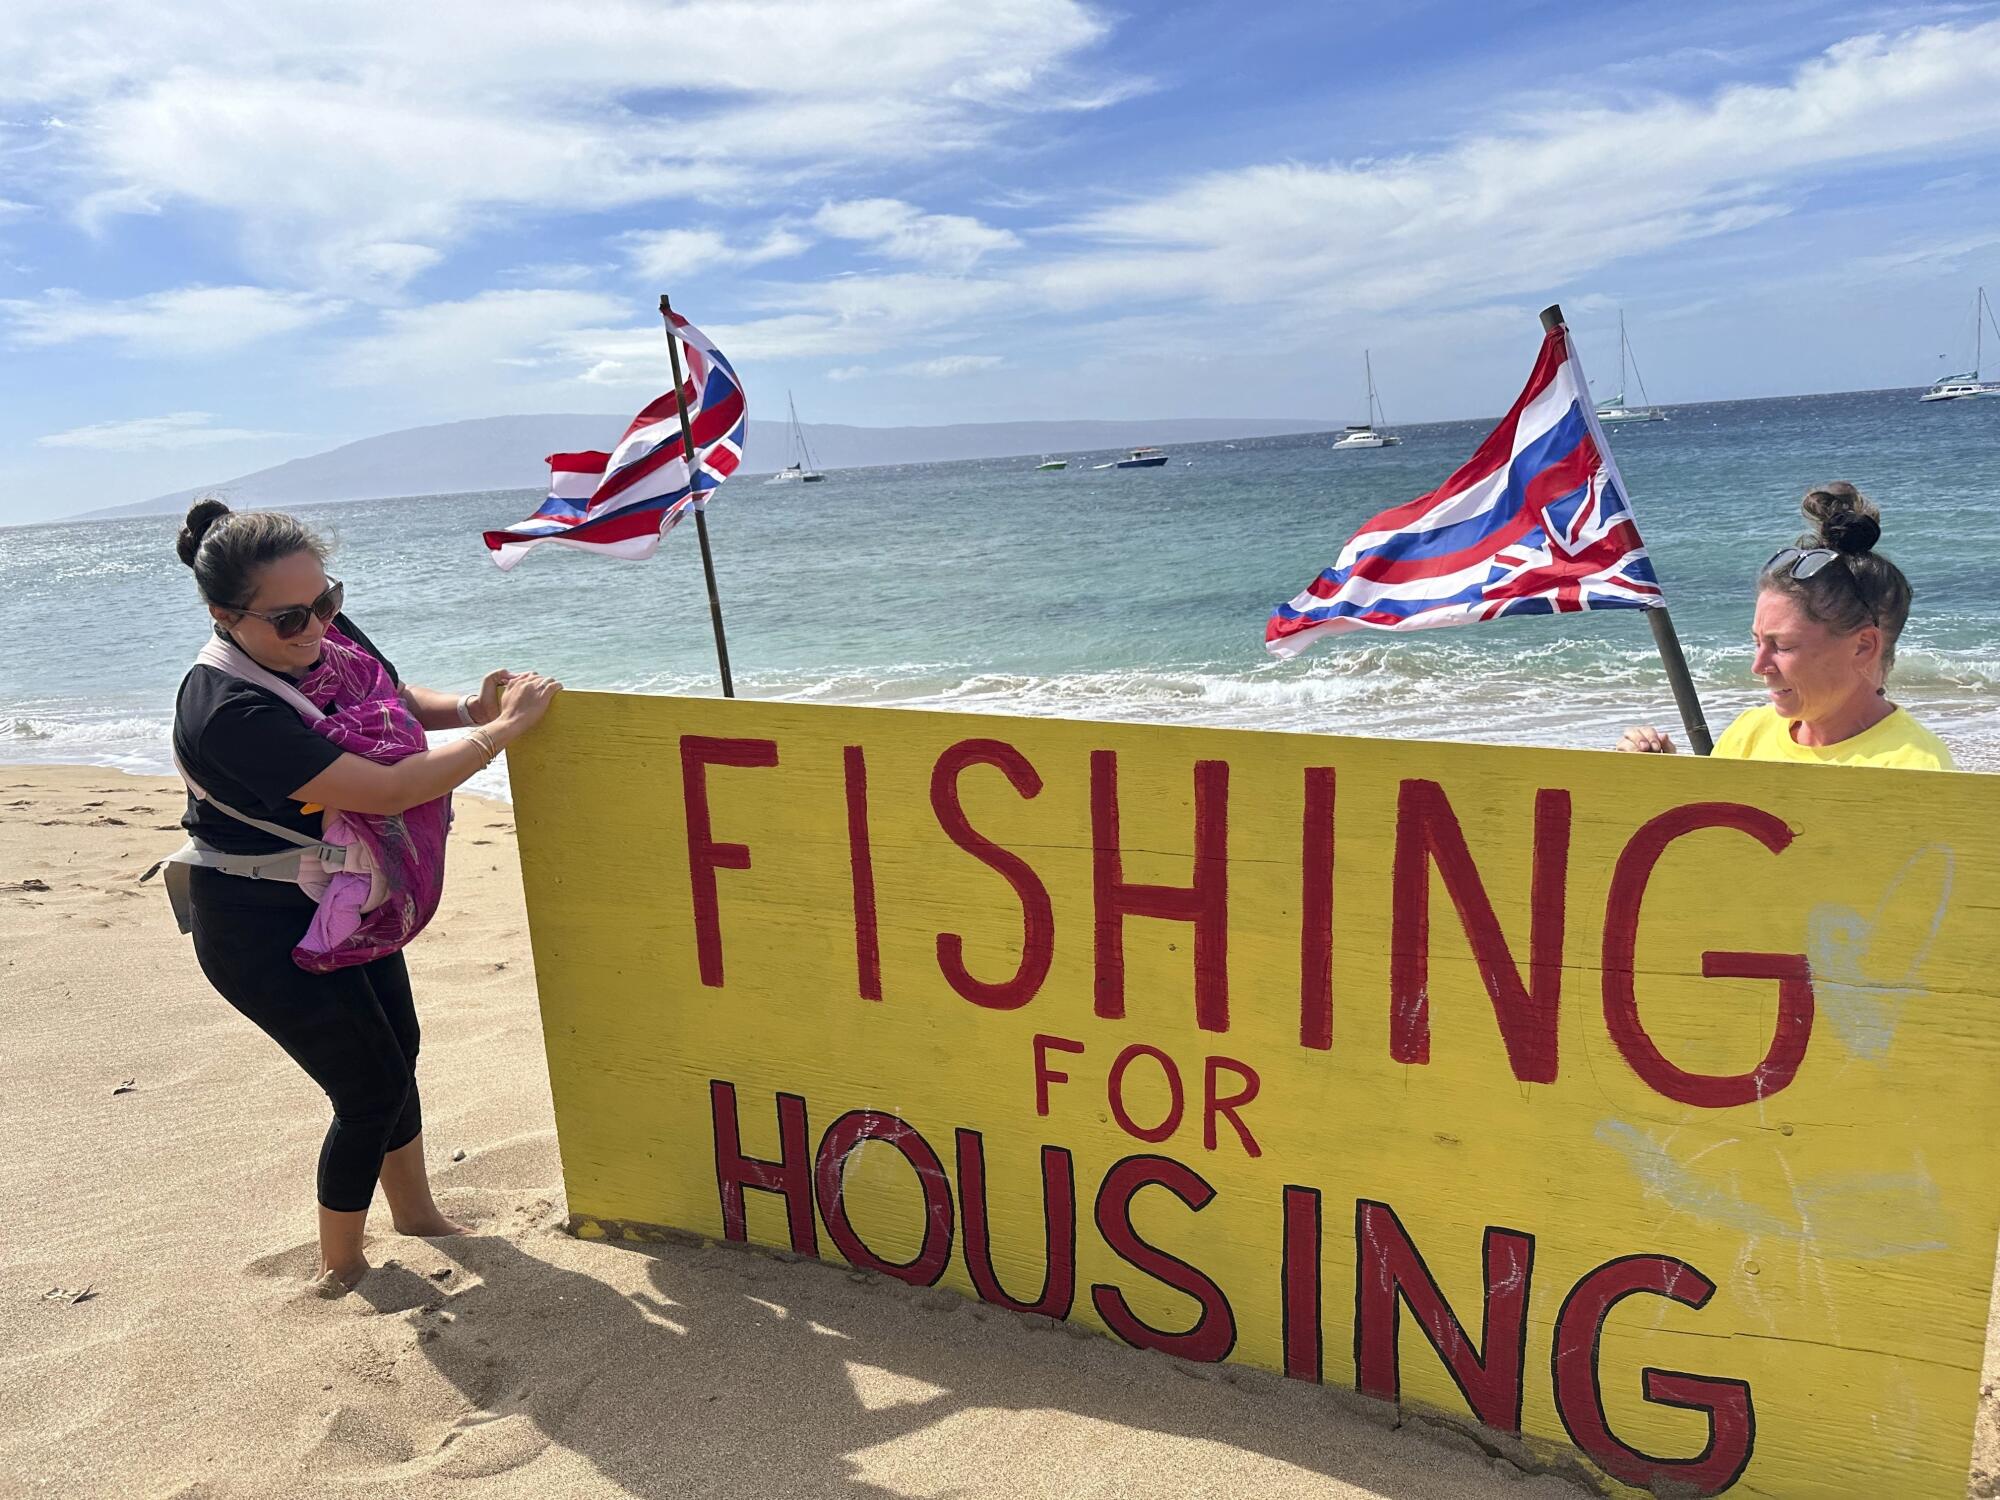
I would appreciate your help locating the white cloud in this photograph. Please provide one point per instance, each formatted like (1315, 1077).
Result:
(328, 132)
(350, 187)
(532, 330)
(390, 262)
(181, 429)
(352, 163)
(1284, 249)
(628, 356)
(902, 232)
(663, 255)
(946, 366)
(556, 273)
(187, 321)
(1559, 194)
(9, 209)
(853, 315)
(846, 372)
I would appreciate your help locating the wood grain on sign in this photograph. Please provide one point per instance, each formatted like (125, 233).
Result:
(1643, 1107)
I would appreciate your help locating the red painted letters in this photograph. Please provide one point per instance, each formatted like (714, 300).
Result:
(1305, 1355)
(1214, 1105)
(1038, 922)
(1732, 1421)
(1176, 1098)
(790, 1175)
(1389, 1270)
(1316, 912)
(1204, 902)
(843, 1138)
(1213, 1334)
(705, 855)
(1427, 831)
(1058, 1292)
(1621, 938)
(861, 868)
(1046, 1075)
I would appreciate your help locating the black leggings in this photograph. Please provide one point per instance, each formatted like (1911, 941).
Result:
(354, 1031)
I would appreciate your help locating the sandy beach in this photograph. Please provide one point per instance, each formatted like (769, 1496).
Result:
(157, 1341)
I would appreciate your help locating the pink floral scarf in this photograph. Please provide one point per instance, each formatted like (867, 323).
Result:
(369, 718)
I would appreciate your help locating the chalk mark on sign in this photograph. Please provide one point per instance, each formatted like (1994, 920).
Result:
(1851, 1215)
(1866, 1007)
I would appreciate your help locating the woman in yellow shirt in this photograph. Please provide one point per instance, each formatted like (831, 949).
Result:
(1828, 614)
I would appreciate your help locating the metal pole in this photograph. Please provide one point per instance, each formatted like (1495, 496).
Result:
(1683, 684)
(1664, 638)
(700, 519)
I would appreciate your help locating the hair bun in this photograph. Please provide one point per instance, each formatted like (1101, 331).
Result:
(1844, 518)
(1852, 534)
(201, 515)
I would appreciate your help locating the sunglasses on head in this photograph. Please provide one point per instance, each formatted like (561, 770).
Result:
(1806, 562)
(291, 621)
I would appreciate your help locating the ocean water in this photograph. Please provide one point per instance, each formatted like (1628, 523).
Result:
(1132, 595)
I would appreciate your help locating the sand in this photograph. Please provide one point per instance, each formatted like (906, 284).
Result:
(156, 1153)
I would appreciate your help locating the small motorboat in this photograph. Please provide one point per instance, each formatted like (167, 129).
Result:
(1050, 465)
(1142, 458)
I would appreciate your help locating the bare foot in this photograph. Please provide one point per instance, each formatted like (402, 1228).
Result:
(434, 1226)
(335, 1282)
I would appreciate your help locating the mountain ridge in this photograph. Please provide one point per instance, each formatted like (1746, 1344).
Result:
(508, 453)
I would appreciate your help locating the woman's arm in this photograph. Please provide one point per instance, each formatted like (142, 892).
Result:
(435, 710)
(356, 784)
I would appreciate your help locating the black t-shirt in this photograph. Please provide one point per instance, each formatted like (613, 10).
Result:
(250, 748)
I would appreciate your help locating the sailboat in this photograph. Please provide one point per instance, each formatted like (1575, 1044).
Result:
(1368, 434)
(801, 467)
(1615, 410)
(1960, 387)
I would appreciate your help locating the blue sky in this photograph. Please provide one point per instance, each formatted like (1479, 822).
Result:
(249, 232)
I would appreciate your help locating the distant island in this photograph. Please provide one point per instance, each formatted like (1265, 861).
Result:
(509, 453)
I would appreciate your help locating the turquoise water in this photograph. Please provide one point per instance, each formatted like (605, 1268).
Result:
(1138, 594)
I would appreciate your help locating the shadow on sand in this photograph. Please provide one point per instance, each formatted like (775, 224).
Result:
(731, 1373)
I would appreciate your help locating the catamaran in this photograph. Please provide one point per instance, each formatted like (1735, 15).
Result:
(1368, 434)
(801, 468)
(1615, 410)
(1961, 387)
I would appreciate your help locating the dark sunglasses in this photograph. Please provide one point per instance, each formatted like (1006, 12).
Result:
(292, 620)
(1807, 562)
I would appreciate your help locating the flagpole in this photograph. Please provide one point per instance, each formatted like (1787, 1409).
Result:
(700, 517)
(1664, 638)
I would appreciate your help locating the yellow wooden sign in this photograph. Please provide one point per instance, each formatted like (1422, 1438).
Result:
(1642, 1107)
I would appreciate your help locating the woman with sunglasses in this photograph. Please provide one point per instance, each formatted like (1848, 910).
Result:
(1828, 614)
(354, 1030)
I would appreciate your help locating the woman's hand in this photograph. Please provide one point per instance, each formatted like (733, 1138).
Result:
(486, 703)
(524, 698)
(1644, 739)
(356, 784)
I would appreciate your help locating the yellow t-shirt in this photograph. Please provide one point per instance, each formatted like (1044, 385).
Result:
(1899, 740)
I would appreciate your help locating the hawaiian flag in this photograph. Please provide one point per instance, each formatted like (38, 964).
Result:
(619, 504)
(1537, 523)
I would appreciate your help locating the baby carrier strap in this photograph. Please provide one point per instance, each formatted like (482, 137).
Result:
(282, 864)
(227, 656)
